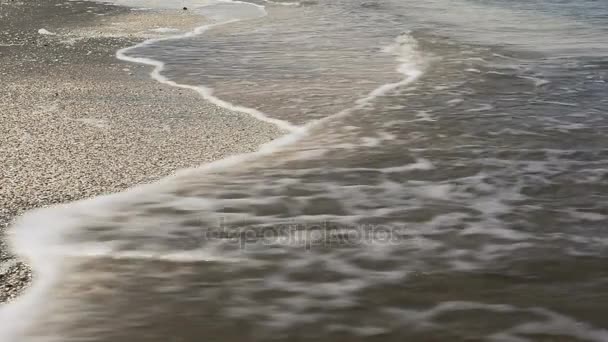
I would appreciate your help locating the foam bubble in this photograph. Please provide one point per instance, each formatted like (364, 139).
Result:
(164, 30)
(46, 32)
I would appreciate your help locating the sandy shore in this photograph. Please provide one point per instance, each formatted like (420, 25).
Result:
(76, 122)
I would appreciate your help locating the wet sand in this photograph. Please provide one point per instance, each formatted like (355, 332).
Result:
(76, 122)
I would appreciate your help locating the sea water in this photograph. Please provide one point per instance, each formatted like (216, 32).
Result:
(443, 177)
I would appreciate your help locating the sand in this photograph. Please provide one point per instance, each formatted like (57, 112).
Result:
(76, 122)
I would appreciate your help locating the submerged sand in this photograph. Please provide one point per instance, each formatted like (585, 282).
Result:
(76, 122)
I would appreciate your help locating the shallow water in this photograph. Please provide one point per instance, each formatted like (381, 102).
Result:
(443, 177)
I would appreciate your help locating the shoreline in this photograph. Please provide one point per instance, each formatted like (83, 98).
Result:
(93, 124)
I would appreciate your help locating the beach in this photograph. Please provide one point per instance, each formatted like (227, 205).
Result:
(77, 122)
(418, 170)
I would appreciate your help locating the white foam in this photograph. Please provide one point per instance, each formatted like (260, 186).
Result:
(455, 101)
(164, 30)
(553, 324)
(423, 115)
(538, 82)
(545, 322)
(420, 164)
(46, 32)
(283, 3)
(587, 216)
(103, 251)
(481, 108)
(436, 191)
(34, 240)
(559, 103)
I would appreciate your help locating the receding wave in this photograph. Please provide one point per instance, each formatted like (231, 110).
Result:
(430, 185)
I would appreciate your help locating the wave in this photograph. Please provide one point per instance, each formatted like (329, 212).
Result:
(40, 236)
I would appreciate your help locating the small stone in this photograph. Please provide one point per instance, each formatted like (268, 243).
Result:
(185, 8)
